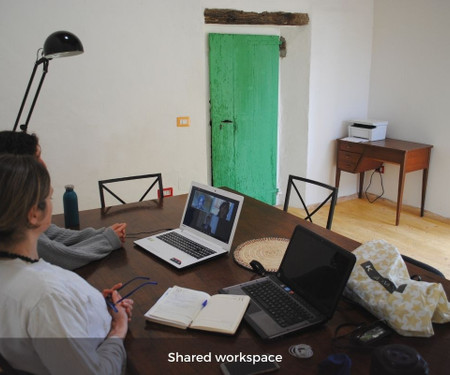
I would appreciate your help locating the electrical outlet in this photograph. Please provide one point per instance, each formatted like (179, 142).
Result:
(167, 192)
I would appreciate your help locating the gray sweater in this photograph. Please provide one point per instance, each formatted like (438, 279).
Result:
(71, 249)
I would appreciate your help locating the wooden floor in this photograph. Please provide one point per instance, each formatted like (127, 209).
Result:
(424, 238)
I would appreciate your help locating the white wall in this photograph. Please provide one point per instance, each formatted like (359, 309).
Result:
(341, 49)
(112, 111)
(410, 87)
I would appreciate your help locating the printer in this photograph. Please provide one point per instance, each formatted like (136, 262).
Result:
(372, 130)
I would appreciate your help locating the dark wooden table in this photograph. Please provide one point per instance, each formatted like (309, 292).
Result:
(360, 157)
(149, 346)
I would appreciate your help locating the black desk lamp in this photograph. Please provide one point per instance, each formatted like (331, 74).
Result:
(58, 44)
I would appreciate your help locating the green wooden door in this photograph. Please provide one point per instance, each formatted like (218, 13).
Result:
(244, 113)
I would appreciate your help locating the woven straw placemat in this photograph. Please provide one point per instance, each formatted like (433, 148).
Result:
(268, 251)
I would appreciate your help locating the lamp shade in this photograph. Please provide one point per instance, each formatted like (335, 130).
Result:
(62, 44)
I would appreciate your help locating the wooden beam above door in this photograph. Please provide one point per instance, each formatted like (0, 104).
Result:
(239, 17)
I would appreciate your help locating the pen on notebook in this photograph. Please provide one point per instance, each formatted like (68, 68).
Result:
(205, 302)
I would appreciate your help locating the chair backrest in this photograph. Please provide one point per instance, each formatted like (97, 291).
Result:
(155, 178)
(425, 266)
(295, 181)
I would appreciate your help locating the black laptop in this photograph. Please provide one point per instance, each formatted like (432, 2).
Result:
(304, 292)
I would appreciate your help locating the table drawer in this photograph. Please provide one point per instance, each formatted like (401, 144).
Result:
(351, 146)
(348, 161)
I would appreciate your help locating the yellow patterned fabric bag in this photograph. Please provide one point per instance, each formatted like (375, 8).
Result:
(380, 282)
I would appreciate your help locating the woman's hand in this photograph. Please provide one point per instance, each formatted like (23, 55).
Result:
(127, 303)
(120, 318)
(119, 230)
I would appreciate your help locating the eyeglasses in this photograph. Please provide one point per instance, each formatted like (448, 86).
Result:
(112, 305)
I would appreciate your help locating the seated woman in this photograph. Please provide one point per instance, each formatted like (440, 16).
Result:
(66, 248)
(51, 320)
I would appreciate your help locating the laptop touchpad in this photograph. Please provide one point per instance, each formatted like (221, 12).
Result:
(264, 322)
(253, 308)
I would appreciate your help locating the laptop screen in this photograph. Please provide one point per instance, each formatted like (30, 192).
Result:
(211, 213)
(316, 269)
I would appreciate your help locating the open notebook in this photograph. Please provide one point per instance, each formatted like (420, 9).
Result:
(207, 228)
(305, 290)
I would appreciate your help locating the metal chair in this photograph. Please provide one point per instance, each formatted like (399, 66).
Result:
(422, 265)
(294, 181)
(155, 177)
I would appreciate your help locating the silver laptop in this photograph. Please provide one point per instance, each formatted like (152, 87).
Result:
(309, 284)
(207, 228)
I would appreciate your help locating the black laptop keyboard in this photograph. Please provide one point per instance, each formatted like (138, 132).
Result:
(282, 307)
(185, 244)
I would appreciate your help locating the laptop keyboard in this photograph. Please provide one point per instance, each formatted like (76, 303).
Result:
(281, 307)
(185, 244)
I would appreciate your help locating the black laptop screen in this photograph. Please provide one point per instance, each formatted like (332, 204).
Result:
(316, 269)
(211, 213)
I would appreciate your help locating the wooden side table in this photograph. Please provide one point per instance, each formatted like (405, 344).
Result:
(360, 157)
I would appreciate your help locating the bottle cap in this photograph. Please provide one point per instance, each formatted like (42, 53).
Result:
(69, 187)
(398, 359)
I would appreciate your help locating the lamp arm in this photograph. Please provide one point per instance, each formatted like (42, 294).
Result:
(43, 61)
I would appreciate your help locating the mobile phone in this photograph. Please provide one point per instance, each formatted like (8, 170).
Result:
(248, 368)
(371, 333)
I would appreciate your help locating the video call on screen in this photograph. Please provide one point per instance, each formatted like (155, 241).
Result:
(211, 214)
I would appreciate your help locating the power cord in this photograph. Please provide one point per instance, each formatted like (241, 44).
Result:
(141, 234)
(370, 183)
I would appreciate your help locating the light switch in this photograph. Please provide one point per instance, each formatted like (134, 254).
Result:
(183, 121)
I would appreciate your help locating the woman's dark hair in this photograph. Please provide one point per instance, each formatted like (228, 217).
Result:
(18, 143)
(24, 183)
